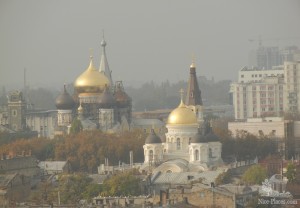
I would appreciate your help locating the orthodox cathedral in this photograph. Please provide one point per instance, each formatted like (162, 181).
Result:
(98, 102)
(190, 144)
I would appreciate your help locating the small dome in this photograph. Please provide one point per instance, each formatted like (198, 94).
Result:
(80, 109)
(107, 99)
(193, 66)
(211, 137)
(64, 101)
(91, 81)
(198, 138)
(182, 115)
(152, 138)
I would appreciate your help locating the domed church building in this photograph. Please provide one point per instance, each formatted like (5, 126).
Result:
(190, 145)
(97, 102)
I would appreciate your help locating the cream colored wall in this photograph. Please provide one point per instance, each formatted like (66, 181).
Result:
(254, 127)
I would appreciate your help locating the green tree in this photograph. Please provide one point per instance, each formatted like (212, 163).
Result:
(72, 188)
(122, 184)
(76, 126)
(256, 174)
(223, 178)
(291, 172)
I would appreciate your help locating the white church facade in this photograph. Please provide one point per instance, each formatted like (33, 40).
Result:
(190, 144)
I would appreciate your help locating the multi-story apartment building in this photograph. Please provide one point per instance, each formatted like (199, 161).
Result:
(254, 74)
(258, 98)
(292, 86)
(260, 93)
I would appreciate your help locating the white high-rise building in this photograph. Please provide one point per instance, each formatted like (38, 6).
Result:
(254, 74)
(292, 86)
(261, 93)
(258, 93)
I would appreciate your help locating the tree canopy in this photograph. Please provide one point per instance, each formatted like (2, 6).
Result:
(122, 184)
(291, 172)
(76, 126)
(256, 174)
(85, 150)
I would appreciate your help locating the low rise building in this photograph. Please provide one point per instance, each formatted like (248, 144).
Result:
(285, 133)
(21, 164)
(54, 167)
(13, 188)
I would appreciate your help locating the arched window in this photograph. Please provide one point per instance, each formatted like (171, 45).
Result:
(197, 155)
(151, 155)
(210, 153)
(178, 145)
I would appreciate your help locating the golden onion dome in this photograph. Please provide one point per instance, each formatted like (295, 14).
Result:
(182, 115)
(91, 81)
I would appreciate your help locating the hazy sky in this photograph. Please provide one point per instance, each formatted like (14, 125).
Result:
(146, 40)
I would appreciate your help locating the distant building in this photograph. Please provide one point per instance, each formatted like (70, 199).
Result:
(185, 147)
(16, 109)
(292, 89)
(4, 116)
(100, 100)
(43, 122)
(258, 99)
(263, 93)
(14, 188)
(265, 57)
(268, 57)
(285, 133)
(54, 167)
(254, 74)
(97, 102)
(21, 164)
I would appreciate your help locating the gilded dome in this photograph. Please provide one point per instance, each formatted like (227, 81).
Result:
(182, 115)
(91, 81)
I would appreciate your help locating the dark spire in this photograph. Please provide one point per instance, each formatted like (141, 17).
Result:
(193, 96)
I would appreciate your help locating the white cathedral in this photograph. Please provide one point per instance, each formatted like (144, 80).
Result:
(190, 144)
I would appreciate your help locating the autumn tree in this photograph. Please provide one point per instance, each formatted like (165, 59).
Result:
(42, 148)
(256, 174)
(88, 149)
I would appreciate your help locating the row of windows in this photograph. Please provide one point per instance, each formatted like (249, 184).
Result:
(261, 87)
(260, 75)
